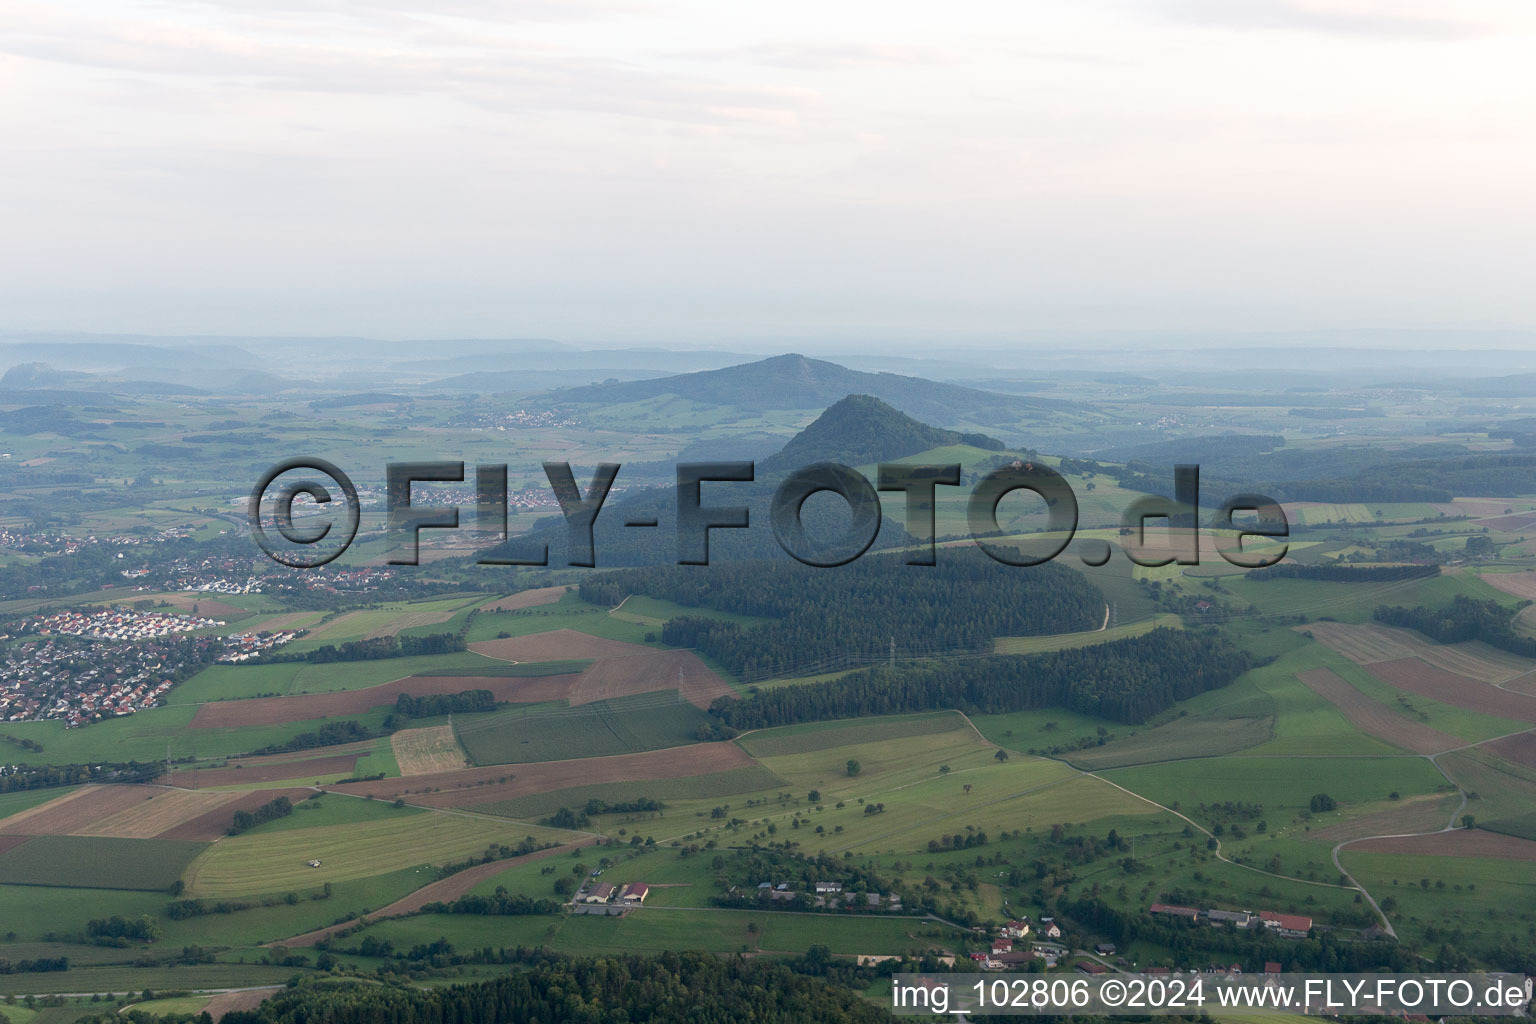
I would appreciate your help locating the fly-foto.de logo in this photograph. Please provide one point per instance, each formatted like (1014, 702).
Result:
(335, 515)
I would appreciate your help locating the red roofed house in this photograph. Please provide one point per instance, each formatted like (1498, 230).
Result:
(634, 892)
(1292, 925)
(1166, 908)
(1272, 967)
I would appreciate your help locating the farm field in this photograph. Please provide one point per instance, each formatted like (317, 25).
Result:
(1068, 641)
(236, 682)
(1426, 680)
(431, 749)
(1376, 719)
(528, 685)
(730, 782)
(97, 862)
(556, 645)
(473, 786)
(525, 599)
(129, 812)
(1370, 643)
(546, 732)
(277, 861)
(815, 736)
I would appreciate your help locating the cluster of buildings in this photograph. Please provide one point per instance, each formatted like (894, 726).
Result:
(1012, 947)
(1291, 926)
(240, 647)
(48, 678)
(825, 895)
(116, 624)
(523, 419)
(598, 897)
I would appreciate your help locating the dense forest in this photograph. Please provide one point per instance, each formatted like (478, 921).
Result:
(1127, 680)
(828, 617)
(1465, 618)
(1335, 573)
(687, 988)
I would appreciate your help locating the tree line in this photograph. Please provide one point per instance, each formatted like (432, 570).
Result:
(1335, 573)
(1127, 680)
(1465, 618)
(244, 821)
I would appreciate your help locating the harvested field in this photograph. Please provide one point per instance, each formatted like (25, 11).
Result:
(409, 621)
(310, 706)
(1426, 680)
(556, 645)
(1375, 718)
(1367, 643)
(424, 751)
(1520, 584)
(229, 1002)
(215, 822)
(1520, 749)
(1415, 814)
(525, 599)
(647, 673)
(79, 809)
(158, 810)
(482, 785)
(274, 771)
(1463, 842)
(444, 891)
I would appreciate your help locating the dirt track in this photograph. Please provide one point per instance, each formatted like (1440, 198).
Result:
(1415, 676)
(556, 645)
(1377, 719)
(444, 891)
(1463, 842)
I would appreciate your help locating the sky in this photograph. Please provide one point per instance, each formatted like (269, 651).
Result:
(881, 173)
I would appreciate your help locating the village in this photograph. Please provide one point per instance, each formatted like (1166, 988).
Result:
(55, 679)
(115, 624)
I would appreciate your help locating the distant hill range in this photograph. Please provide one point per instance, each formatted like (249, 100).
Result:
(856, 430)
(796, 382)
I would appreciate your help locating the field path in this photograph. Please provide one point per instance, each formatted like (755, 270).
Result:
(442, 891)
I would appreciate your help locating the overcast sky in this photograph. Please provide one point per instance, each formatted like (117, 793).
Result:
(697, 171)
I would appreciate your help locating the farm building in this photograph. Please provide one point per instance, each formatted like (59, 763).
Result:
(1049, 929)
(602, 892)
(822, 888)
(1240, 918)
(634, 892)
(1173, 911)
(1293, 926)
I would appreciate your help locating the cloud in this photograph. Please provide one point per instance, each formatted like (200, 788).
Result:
(1328, 17)
(497, 73)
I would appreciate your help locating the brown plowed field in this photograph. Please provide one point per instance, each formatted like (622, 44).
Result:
(1520, 584)
(444, 891)
(1520, 749)
(479, 785)
(1463, 842)
(307, 707)
(1369, 642)
(647, 673)
(214, 823)
(1415, 676)
(1377, 719)
(556, 645)
(229, 1002)
(1415, 814)
(11, 842)
(269, 771)
(1509, 524)
(525, 599)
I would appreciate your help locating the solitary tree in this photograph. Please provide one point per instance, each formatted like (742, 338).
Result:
(1001, 755)
(854, 767)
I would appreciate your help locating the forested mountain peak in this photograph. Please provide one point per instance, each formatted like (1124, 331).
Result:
(861, 429)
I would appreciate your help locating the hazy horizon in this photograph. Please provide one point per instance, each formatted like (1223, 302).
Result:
(617, 172)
